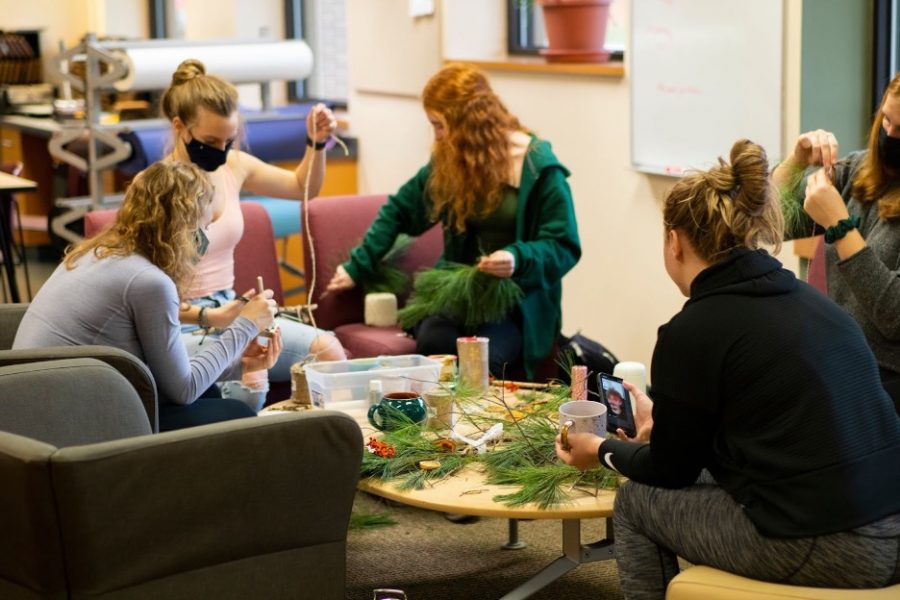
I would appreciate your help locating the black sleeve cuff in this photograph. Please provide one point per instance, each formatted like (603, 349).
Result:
(316, 145)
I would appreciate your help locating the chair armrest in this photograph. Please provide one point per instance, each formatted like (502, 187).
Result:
(126, 363)
(205, 496)
(10, 317)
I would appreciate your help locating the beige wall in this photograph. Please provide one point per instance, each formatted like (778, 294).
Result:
(619, 292)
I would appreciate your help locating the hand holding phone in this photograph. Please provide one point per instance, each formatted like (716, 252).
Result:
(619, 413)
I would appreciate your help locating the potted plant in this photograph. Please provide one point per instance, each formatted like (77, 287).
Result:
(576, 29)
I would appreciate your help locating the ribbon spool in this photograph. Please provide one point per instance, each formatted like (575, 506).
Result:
(299, 387)
(381, 309)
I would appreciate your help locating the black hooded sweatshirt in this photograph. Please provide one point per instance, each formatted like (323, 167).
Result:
(769, 385)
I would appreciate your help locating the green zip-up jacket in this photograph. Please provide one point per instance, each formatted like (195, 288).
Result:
(546, 246)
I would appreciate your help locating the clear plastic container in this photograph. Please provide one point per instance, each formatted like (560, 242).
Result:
(343, 383)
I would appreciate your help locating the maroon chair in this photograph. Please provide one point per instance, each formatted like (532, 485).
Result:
(815, 276)
(254, 255)
(336, 225)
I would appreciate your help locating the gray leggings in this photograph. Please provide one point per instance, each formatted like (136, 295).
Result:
(705, 526)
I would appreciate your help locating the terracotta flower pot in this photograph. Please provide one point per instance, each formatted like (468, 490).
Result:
(576, 30)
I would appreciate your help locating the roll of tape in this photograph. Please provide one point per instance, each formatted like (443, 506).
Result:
(381, 309)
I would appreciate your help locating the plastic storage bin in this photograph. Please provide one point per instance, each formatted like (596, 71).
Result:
(344, 384)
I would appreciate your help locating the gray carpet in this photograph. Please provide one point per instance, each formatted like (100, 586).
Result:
(431, 558)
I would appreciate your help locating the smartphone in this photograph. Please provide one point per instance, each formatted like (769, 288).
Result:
(619, 414)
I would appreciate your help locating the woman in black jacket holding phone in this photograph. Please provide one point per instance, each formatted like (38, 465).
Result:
(768, 389)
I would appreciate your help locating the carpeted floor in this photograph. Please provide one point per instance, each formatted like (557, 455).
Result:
(431, 558)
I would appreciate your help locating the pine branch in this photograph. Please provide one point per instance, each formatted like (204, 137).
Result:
(461, 292)
(360, 521)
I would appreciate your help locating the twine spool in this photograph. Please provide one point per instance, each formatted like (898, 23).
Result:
(441, 411)
(474, 368)
(299, 387)
(448, 366)
(579, 382)
(381, 309)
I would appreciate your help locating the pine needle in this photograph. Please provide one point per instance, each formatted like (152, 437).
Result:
(388, 276)
(791, 206)
(539, 485)
(462, 293)
(362, 521)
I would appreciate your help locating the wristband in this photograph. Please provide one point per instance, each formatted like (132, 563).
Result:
(316, 145)
(842, 228)
(201, 318)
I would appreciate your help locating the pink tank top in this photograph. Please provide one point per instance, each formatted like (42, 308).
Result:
(215, 271)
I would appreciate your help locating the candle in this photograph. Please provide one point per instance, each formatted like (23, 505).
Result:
(632, 372)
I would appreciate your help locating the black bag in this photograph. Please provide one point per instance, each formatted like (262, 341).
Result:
(582, 350)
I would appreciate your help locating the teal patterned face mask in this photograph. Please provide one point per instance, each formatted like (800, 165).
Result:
(202, 242)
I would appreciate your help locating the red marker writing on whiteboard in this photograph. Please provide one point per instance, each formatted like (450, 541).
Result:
(673, 170)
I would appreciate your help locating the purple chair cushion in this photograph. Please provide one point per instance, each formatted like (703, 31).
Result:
(336, 225)
(361, 341)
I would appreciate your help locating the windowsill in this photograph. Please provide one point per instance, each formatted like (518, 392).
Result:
(537, 64)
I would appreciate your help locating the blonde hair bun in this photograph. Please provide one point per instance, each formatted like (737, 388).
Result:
(187, 70)
(750, 167)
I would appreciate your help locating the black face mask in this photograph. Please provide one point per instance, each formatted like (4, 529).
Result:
(207, 157)
(202, 242)
(889, 148)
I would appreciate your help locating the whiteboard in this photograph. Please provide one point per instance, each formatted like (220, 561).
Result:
(704, 73)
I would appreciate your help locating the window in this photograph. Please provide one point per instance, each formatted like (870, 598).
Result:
(526, 27)
(323, 24)
(886, 47)
(527, 34)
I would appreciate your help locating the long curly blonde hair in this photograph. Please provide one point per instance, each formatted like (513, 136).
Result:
(157, 220)
(875, 182)
(470, 165)
(729, 206)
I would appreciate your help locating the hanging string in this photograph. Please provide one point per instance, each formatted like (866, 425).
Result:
(307, 233)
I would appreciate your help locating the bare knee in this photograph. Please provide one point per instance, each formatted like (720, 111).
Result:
(327, 347)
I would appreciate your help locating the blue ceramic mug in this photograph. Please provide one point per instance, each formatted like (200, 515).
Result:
(398, 409)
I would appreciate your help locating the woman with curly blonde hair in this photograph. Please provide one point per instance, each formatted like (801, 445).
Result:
(502, 199)
(855, 202)
(123, 288)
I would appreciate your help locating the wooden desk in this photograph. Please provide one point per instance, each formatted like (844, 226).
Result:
(467, 493)
(9, 184)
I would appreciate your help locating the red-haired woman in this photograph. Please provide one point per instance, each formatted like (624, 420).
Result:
(502, 199)
(855, 202)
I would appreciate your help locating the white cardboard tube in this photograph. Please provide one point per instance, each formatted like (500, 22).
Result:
(152, 68)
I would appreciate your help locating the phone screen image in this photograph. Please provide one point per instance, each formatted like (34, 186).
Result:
(619, 414)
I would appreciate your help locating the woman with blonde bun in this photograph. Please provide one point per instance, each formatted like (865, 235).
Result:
(770, 448)
(203, 111)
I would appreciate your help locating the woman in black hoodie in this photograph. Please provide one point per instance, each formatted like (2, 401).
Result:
(770, 390)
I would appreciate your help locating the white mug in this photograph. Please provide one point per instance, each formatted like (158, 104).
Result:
(579, 416)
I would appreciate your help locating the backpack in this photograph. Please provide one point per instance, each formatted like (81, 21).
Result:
(582, 350)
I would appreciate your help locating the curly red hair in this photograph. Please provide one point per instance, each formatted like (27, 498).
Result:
(470, 165)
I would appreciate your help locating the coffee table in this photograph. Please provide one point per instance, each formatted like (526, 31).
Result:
(467, 493)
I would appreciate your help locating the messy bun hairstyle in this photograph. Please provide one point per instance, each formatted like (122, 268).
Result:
(729, 206)
(191, 87)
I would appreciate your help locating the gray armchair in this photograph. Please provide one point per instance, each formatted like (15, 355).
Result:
(126, 363)
(246, 508)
